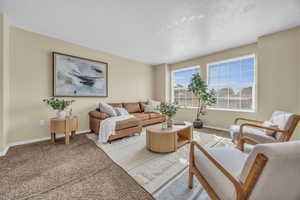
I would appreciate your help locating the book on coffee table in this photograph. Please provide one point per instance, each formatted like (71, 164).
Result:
(179, 123)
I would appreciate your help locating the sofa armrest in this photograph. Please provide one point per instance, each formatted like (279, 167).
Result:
(98, 115)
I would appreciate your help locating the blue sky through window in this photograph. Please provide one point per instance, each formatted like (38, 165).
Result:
(232, 72)
(183, 77)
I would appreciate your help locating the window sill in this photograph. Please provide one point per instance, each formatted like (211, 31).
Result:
(231, 110)
(187, 107)
(218, 109)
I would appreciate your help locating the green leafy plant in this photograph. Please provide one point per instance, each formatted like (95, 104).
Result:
(205, 96)
(168, 109)
(58, 104)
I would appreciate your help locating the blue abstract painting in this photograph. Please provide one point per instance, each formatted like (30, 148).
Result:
(74, 76)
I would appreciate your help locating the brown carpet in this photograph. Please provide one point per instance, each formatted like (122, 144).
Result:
(79, 170)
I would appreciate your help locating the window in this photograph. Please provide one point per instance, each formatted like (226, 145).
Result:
(233, 82)
(181, 79)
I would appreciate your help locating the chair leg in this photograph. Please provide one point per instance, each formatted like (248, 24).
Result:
(191, 179)
(241, 144)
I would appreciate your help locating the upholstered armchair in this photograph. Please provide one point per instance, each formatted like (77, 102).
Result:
(279, 128)
(270, 171)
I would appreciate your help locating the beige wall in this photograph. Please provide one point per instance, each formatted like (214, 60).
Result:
(4, 80)
(277, 77)
(31, 81)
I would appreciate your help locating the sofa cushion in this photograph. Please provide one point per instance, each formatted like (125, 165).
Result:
(152, 102)
(128, 123)
(120, 105)
(141, 116)
(151, 109)
(98, 114)
(132, 107)
(121, 111)
(142, 105)
(154, 115)
(104, 107)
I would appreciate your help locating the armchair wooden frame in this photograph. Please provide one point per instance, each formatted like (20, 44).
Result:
(243, 190)
(287, 134)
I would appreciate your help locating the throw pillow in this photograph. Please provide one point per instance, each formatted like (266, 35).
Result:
(270, 125)
(121, 111)
(150, 109)
(104, 107)
(152, 102)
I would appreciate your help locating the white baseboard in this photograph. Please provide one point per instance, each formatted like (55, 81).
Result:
(217, 128)
(3, 153)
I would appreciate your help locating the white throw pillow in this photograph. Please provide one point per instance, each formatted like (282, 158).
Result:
(151, 109)
(152, 102)
(121, 111)
(270, 125)
(108, 109)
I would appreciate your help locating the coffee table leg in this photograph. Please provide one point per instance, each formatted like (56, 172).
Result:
(72, 134)
(67, 138)
(53, 137)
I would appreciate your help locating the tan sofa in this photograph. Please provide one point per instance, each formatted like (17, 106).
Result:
(129, 126)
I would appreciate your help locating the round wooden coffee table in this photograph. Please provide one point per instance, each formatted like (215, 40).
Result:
(169, 139)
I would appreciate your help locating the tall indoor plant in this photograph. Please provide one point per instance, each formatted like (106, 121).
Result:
(205, 97)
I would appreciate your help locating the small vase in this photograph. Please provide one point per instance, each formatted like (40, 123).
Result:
(61, 114)
(169, 122)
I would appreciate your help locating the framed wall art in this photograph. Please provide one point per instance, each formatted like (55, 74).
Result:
(79, 77)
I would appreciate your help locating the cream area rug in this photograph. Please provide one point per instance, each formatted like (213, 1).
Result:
(152, 170)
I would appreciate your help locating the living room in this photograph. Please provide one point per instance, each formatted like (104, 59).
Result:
(145, 59)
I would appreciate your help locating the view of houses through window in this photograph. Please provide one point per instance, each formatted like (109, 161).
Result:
(181, 79)
(233, 82)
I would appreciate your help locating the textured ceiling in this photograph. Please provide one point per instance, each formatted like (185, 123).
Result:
(154, 31)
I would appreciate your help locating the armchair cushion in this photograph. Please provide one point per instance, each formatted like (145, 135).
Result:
(231, 159)
(280, 177)
(256, 134)
(283, 120)
(271, 125)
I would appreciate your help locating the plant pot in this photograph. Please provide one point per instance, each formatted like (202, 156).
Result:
(61, 114)
(198, 123)
(169, 122)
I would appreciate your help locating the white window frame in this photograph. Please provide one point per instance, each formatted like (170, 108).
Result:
(254, 86)
(172, 82)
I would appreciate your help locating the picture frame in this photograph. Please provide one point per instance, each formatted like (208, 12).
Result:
(75, 76)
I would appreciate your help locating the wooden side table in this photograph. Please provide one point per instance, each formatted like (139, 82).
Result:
(169, 139)
(68, 126)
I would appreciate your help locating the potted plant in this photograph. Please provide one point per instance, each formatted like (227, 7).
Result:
(205, 97)
(168, 109)
(60, 105)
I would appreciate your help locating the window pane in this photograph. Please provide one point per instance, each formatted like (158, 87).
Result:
(181, 80)
(222, 96)
(233, 81)
(247, 77)
(248, 64)
(234, 98)
(246, 101)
